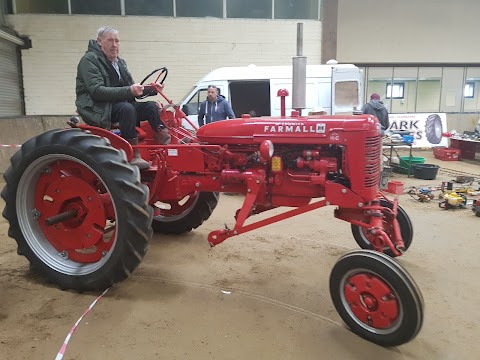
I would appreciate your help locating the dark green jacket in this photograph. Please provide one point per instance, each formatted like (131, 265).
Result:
(94, 87)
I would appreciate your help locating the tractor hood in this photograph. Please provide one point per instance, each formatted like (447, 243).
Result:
(287, 130)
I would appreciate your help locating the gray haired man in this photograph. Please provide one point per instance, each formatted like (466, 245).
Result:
(106, 93)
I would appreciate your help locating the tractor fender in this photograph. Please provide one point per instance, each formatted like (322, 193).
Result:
(117, 141)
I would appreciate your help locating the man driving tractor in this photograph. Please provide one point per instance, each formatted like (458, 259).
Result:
(106, 93)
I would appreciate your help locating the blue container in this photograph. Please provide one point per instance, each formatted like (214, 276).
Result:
(408, 139)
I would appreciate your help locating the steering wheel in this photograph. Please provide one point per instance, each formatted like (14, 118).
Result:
(163, 71)
(151, 92)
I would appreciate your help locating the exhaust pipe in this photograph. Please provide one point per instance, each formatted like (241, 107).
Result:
(299, 76)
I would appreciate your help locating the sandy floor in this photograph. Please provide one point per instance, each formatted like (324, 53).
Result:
(278, 307)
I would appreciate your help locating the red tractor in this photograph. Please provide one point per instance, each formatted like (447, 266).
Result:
(83, 216)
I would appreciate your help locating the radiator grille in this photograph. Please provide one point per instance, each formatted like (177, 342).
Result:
(373, 153)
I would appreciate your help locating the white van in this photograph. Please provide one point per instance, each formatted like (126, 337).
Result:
(337, 88)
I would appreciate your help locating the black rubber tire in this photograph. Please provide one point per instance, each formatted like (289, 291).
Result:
(406, 293)
(434, 129)
(120, 179)
(406, 229)
(190, 219)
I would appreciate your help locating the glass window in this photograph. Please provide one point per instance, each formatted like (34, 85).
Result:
(395, 91)
(254, 9)
(193, 104)
(195, 8)
(42, 7)
(296, 9)
(472, 103)
(96, 7)
(408, 77)
(429, 88)
(469, 90)
(346, 95)
(149, 7)
(8, 8)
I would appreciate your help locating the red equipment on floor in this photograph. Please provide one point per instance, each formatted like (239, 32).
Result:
(446, 154)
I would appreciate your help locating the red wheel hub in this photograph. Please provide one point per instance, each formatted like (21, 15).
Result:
(372, 300)
(68, 186)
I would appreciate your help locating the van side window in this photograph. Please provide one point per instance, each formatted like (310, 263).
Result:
(193, 104)
(346, 94)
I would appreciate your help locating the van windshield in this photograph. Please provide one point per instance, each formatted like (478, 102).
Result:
(188, 93)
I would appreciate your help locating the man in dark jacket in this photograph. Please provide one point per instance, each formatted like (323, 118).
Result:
(376, 108)
(106, 93)
(215, 108)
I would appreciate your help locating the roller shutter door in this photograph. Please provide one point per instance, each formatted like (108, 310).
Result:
(11, 100)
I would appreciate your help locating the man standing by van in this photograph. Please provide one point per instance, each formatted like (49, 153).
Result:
(215, 108)
(376, 108)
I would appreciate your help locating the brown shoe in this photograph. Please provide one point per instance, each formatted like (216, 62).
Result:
(138, 161)
(137, 158)
(162, 137)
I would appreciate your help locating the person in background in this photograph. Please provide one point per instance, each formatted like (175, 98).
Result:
(106, 93)
(215, 108)
(477, 128)
(317, 111)
(376, 108)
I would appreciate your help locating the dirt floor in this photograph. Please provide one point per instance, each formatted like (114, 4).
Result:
(261, 295)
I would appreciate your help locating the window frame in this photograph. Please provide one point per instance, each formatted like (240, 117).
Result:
(471, 85)
(11, 5)
(401, 86)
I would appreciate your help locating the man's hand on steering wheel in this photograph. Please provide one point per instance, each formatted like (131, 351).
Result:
(152, 90)
(137, 90)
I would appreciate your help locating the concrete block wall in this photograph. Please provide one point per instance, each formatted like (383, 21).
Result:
(188, 47)
(15, 131)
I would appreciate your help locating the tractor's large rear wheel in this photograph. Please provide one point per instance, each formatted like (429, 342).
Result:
(376, 298)
(77, 209)
(178, 217)
(363, 236)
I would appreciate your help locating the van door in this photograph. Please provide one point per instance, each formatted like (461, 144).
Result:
(347, 85)
(311, 94)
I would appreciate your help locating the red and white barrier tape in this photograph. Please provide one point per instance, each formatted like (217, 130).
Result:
(9, 146)
(62, 350)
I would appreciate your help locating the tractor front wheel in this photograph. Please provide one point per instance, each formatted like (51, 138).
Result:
(376, 298)
(362, 235)
(77, 209)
